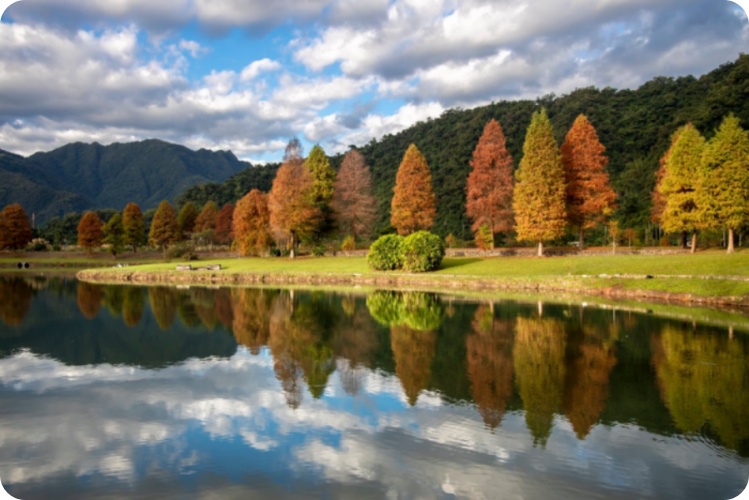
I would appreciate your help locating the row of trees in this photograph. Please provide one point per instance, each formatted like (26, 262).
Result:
(704, 185)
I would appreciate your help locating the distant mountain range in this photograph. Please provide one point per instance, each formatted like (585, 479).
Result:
(80, 176)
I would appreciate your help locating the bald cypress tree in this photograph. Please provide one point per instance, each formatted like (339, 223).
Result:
(164, 226)
(489, 186)
(679, 186)
(414, 205)
(725, 197)
(589, 196)
(539, 197)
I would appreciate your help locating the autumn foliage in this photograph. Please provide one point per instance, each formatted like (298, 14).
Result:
(134, 226)
(164, 226)
(90, 231)
(206, 220)
(224, 233)
(15, 230)
(539, 198)
(489, 188)
(251, 223)
(293, 212)
(354, 206)
(414, 205)
(589, 195)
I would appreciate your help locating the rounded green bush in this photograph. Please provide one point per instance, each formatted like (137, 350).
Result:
(422, 251)
(385, 253)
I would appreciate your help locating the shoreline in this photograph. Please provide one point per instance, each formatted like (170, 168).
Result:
(426, 282)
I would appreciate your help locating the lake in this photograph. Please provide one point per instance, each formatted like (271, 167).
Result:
(117, 391)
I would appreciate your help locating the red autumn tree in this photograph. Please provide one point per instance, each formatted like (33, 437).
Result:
(15, 230)
(414, 205)
(252, 224)
(589, 195)
(354, 206)
(489, 187)
(164, 226)
(90, 232)
(224, 233)
(539, 197)
(293, 212)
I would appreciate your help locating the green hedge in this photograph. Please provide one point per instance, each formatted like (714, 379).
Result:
(422, 251)
(385, 253)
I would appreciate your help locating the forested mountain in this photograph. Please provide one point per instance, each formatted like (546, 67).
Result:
(81, 176)
(635, 126)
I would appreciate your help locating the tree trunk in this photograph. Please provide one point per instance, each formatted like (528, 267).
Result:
(683, 239)
(540, 249)
(293, 245)
(693, 246)
(729, 245)
(581, 241)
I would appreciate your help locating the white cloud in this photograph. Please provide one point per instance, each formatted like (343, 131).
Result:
(255, 68)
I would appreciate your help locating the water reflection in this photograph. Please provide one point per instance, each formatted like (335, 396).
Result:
(340, 384)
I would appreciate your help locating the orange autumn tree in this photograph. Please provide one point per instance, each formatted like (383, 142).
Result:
(589, 195)
(224, 222)
(293, 212)
(489, 187)
(354, 206)
(539, 197)
(206, 220)
(164, 226)
(251, 224)
(15, 230)
(414, 205)
(90, 232)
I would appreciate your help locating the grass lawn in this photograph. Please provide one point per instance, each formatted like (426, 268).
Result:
(707, 274)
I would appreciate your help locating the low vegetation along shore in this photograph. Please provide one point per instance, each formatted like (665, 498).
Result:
(709, 278)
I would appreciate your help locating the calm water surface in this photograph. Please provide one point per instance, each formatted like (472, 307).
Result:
(246, 393)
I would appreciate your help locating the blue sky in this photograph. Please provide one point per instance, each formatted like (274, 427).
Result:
(247, 75)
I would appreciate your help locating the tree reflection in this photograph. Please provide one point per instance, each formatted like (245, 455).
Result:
(539, 369)
(114, 297)
(354, 340)
(251, 324)
(132, 305)
(186, 310)
(224, 312)
(591, 357)
(490, 370)
(413, 318)
(163, 301)
(15, 300)
(298, 340)
(204, 300)
(89, 299)
(703, 378)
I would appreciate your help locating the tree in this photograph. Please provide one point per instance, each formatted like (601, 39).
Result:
(590, 198)
(15, 230)
(354, 206)
(489, 187)
(251, 224)
(679, 187)
(114, 234)
(293, 212)
(725, 197)
(186, 220)
(206, 220)
(323, 176)
(414, 205)
(164, 226)
(90, 231)
(224, 223)
(659, 202)
(539, 196)
(134, 226)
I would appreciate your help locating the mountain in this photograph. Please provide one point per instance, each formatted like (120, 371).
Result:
(82, 176)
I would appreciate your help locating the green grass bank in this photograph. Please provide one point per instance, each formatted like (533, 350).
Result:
(709, 277)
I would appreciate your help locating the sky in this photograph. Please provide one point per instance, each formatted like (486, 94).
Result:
(247, 75)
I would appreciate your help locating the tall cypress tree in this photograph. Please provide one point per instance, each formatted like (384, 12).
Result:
(590, 198)
(725, 197)
(414, 205)
(539, 198)
(489, 186)
(164, 226)
(679, 186)
(134, 226)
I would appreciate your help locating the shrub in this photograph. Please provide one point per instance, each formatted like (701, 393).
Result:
(318, 250)
(385, 253)
(349, 243)
(422, 251)
(450, 241)
(182, 250)
(484, 237)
